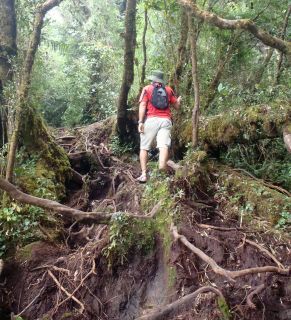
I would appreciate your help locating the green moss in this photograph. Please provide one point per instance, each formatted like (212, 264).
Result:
(25, 253)
(53, 160)
(251, 198)
(67, 315)
(243, 125)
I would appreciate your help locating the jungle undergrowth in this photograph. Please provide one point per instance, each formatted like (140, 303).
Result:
(267, 159)
(18, 222)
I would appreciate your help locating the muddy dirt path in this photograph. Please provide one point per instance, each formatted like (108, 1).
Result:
(72, 278)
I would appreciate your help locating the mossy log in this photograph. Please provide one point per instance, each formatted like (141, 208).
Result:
(239, 126)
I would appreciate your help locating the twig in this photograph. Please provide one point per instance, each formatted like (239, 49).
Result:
(207, 226)
(96, 154)
(20, 313)
(230, 275)
(251, 295)
(53, 268)
(70, 296)
(79, 286)
(169, 310)
(266, 252)
(154, 210)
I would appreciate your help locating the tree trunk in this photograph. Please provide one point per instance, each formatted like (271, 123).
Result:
(144, 49)
(196, 109)
(181, 51)
(7, 51)
(22, 102)
(223, 60)
(128, 72)
(258, 74)
(283, 35)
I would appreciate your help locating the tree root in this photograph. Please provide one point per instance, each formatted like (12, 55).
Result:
(266, 252)
(250, 296)
(81, 216)
(70, 295)
(230, 275)
(259, 247)
(176, 306)
(80, 285)
(35, 298)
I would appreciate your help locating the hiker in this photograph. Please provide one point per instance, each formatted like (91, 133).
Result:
(155, 120)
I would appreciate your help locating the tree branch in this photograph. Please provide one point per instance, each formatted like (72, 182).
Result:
(245, 24)
(96, 217)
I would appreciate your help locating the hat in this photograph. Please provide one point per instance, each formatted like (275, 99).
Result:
(157, 76)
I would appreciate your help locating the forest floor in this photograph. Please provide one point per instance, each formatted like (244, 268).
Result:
(80, 276)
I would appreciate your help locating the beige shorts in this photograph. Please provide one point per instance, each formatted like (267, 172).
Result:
(159, 128)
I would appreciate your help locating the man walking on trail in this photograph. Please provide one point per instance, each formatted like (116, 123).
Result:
(155, 120)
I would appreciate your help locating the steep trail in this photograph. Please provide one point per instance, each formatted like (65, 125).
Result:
(77, 277)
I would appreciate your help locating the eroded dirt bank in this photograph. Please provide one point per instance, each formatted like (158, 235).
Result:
(127, 269)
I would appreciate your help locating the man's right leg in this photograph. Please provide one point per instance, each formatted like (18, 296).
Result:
(143, 157)
(146, 140)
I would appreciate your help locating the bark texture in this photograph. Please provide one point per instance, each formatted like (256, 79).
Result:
(7, 51)
(22, 102)
(128, 72)
(181, 51)
(193, 44)
(244, 24)
(283, 35)
(144, 48)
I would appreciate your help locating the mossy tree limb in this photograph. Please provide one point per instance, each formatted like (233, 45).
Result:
(244, 24)
(22, 101)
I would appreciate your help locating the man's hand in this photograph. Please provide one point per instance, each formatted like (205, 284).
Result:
(177, 104)
(141, 128)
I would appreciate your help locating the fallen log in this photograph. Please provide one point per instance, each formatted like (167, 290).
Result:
(224, 130)
(82, 216)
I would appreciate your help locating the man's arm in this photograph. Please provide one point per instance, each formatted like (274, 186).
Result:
(141, 116)
(177, 104)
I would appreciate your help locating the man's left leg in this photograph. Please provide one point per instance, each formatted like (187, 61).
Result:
(164, 142)
(163, 158)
